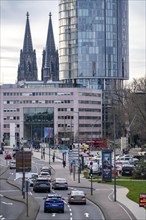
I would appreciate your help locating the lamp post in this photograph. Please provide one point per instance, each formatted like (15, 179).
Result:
(114, 161)
(77, 112)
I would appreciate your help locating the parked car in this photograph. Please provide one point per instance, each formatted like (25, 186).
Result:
(60, 183)
(13, 164)
(41, 184)
(54, 203)
(127, 170)
(77, 196)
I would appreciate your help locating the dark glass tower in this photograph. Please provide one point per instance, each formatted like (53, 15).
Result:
(93, 42)
(27, 68)
(50, 62)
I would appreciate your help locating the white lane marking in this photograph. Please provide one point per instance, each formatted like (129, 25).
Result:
(2, 218)
(53, 215)
(111, 195)
(102, 216)
(30, 193)
(70, 210)
(10, 190)
(125, 210)
(71, 213)
(1, 195)
(86, 214)
(7, 203)
(70, 218)
(68, 206)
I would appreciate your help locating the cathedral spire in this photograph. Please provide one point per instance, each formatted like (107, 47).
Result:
(27, 46)
(50, 56)
(27, 68)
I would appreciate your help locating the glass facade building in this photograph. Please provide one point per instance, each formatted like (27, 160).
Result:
(93, 42)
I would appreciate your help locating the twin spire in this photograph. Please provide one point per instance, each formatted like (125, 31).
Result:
(27, 69)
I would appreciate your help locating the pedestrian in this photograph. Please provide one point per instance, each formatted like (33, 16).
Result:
(64, 163)
(53, 158)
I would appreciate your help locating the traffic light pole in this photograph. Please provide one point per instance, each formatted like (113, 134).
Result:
(91, 181)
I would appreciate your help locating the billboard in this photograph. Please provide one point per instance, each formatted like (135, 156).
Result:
(48, 132)
(23, 161)
(142, 200)
(106, 165)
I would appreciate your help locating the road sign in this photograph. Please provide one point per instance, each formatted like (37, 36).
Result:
(23, 161)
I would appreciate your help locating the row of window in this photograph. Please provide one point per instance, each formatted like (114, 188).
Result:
(48, 94)
(12, 118)
(48, 102)
(8, 126)
(81, 117)
(12, 110)
(80, 125)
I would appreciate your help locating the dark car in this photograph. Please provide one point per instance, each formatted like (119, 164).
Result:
(1, 150)
(54, 203)
(127, 170)
(41, 184)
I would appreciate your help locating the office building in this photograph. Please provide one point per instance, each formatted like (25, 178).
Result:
(93, 42)
(32, 106)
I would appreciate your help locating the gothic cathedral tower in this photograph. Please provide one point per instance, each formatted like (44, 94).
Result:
(27, 68)
(50, 62)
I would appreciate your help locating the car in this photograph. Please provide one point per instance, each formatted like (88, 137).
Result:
(8, 156)
(1, 150)
(46, 169)
(45, 174)
(13, 164)
(32, 179)
(60, 183)
(127, 170)
(77, 196)
(41, 184)
(54, 203)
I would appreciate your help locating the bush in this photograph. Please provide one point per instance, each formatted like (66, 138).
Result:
(86, 173)
(140, 170)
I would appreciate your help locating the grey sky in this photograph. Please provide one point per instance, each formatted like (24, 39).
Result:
(13, 20)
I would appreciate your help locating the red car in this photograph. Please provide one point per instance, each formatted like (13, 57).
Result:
(8, 156)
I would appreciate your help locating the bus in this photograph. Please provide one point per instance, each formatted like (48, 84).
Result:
(95, 144)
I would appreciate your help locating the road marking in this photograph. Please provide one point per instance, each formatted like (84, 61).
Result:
(7, 203)
(111, 195)
(71, 213)
(86, 214)
(125, 211)
(103, 218)
(53, 215)
(70, 210)
(10, 190)
(1, 195)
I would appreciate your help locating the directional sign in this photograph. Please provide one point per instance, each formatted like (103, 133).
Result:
(23, 161)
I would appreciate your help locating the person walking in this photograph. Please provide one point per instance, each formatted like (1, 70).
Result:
(64, 163)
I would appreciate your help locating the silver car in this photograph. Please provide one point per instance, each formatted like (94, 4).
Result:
(60, 183)
(77, 196)
(13, 164)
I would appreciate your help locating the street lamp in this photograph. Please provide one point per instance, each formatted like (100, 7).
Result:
(77, 112)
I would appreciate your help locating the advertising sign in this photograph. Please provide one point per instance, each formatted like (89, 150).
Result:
(106, 165)
(48, 132)
(142, 200)
(23, 161)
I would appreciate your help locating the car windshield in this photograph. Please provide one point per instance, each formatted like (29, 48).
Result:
(77, 193)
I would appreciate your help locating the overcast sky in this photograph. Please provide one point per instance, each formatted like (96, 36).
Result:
(13, 20)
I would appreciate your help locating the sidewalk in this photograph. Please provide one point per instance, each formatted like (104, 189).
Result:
(123, 208)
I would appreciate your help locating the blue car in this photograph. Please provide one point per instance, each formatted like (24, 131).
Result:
(54, 203)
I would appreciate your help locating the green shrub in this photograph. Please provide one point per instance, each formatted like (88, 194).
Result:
(140, 170)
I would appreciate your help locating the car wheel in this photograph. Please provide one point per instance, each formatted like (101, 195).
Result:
(66, 188)
(45, 210)
(85, 203)
(63, 211)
